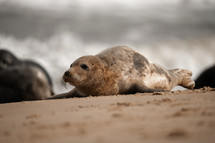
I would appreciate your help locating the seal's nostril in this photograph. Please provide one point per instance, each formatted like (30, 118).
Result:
(67, 73)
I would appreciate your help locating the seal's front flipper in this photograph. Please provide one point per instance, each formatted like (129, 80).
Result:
(73, 93)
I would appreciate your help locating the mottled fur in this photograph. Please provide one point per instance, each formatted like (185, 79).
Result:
(121, 70)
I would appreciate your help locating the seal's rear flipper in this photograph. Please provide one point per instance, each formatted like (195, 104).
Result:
(184, 78)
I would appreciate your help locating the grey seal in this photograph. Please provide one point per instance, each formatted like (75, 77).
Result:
(121, 70)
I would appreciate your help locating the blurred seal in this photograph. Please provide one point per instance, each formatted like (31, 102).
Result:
(121, 70)
(206, 78)
(22, 79)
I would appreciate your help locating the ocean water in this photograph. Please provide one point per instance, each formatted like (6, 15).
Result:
(179, 34)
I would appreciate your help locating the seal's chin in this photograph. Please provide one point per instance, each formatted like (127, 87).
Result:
(71, 83)
(68, 79)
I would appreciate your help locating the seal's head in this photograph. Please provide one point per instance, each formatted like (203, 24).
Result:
(86, 69)
(7, 59)
(90, 75)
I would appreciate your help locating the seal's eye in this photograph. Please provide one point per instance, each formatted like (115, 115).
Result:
(84, 67)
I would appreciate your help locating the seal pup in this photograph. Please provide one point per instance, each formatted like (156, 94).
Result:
(121, 70)
(22, 79)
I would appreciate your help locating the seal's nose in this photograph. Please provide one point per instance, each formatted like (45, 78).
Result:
(67, 73)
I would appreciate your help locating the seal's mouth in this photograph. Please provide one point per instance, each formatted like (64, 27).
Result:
(65, 81)
(71, 83)
(71, 77)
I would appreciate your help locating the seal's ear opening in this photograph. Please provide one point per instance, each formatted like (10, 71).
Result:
(84, 66)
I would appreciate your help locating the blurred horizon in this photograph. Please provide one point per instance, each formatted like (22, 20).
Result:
(136, 21)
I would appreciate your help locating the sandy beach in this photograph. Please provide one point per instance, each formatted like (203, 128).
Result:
(179, 116)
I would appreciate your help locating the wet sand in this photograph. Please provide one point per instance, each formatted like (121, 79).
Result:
(179, 116)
